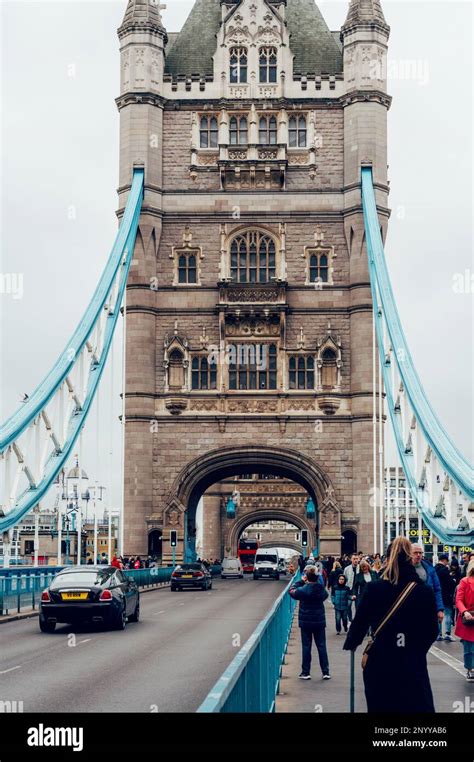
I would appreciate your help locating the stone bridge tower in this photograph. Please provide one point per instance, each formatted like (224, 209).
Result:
(249, 323)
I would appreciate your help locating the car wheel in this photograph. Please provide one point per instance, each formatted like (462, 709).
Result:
(46, 626)
(173, 589)
(136, 614)
(210, 585)
(255, 576)
(121, 619)
(277, 576)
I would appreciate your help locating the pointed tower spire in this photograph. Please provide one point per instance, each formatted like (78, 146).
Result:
(143, 12)
(365, 12)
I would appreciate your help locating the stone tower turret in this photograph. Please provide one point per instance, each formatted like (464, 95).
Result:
(364, 36)
(142, 42)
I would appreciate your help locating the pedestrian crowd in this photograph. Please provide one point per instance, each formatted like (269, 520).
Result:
(402, 603)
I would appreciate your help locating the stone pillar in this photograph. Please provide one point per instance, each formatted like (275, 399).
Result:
(212, 530)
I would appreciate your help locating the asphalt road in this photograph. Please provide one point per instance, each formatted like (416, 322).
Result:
(167, 662)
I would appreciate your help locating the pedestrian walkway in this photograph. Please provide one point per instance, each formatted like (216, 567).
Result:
(445, 665)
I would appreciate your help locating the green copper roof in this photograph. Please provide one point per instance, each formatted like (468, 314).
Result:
(312, 43)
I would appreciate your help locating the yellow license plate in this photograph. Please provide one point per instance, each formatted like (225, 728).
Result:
(73, 596)
(187, 576)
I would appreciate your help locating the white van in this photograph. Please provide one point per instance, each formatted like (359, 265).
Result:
(231, 567)
(266, 564)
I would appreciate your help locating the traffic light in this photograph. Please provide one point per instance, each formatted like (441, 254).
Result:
(173, 538)
(304, 538)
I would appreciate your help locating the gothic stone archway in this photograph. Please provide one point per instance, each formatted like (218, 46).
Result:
(202, 472)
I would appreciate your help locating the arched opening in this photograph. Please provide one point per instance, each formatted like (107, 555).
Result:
(349, 542)
(241, 463)
(155, 544)
(329, 369)
(176, 370)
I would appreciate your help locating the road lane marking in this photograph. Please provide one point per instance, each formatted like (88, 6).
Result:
(158, 612)
(449, 660)
(4, 671)
(86, 640)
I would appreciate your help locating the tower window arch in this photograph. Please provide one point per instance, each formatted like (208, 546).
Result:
(267, 130)
(176, 370)
(238, 64)
(187, 267)
(318, 267)
(297, 131)
(238, 130)
(268, 64)
(208, 132)
(252, 257)
(328, 369)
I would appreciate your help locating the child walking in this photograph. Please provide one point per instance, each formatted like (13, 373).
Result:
(341, 599)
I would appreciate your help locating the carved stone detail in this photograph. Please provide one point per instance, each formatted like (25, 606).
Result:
(203, 405)
(252, 406)
(176, 405)
(300, 405)
(329, 405)
(252, 295)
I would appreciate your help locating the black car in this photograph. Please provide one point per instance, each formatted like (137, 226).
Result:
(89, 594)
(191, 575)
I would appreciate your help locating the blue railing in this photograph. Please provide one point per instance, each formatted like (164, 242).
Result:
(251, 681)
(23, 590)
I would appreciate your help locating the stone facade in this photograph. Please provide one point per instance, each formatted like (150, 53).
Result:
(281, 192)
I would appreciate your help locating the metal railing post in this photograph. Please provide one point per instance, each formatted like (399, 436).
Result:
(352, 688)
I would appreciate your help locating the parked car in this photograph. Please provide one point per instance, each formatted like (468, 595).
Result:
(195, 575)
(231, 567)
(89, 594)
(282, 567)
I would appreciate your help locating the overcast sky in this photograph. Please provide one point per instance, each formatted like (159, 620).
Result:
(60, 133)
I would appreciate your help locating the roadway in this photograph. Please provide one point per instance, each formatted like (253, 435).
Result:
(167, 662)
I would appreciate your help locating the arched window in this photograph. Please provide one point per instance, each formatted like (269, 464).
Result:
(301, 372)
(253, 366)
(268, 64)
(208, 132)
(187, 268)
(328, 369)
(252, 258)
(297, 131)
(238, 65)
(318, 268)
(176, 370)
(267, 130)
(203, 373)
(238, 130)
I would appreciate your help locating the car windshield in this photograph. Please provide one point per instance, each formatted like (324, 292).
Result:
(269, 559)
(81, 578)
(192, 567)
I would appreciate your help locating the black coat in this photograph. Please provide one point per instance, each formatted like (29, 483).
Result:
(447, 583)
(396, 676)
(311, 597)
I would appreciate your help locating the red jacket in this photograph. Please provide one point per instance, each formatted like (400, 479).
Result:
(465, 602)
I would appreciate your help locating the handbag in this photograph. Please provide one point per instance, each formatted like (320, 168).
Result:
(400, 600)
(468, 622)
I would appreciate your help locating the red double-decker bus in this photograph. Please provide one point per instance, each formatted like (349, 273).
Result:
(246, 552)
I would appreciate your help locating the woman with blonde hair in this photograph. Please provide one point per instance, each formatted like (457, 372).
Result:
(465, 622)
(400, 611)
